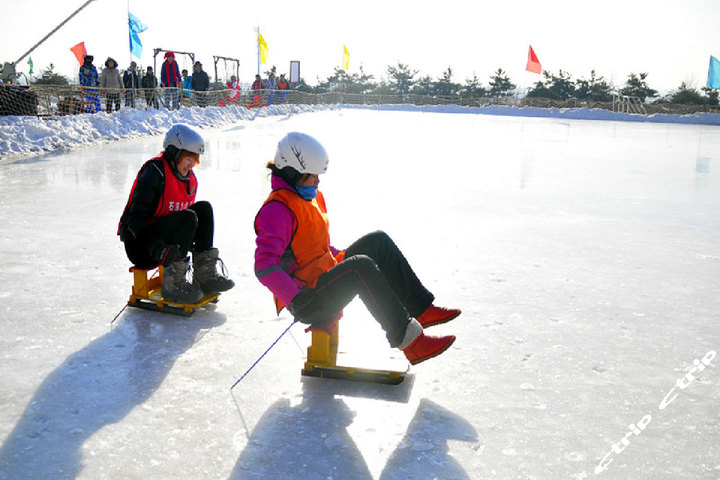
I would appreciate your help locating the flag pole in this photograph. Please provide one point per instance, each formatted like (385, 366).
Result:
(53, 31)
(128, 16)
(257, 41)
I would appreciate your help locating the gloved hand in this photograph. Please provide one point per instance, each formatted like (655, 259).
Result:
(303, 305)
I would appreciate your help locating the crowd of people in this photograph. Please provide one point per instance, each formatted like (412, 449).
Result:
(171, 89)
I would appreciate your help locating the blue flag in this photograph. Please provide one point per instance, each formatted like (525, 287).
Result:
(714, 73)
(136, 27)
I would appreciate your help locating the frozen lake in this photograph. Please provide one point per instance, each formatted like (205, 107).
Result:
(585, 256)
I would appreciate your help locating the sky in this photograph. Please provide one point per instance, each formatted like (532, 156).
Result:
(671, 41)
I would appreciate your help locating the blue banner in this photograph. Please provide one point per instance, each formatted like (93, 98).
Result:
(136, 27)
(713, 80)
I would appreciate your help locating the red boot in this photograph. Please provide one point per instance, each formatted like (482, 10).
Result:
(426, 347)
(437, 315)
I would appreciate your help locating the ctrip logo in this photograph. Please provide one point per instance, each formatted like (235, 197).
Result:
(682, 384)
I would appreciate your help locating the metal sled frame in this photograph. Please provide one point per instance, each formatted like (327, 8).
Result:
(322, 362)
(146, 294)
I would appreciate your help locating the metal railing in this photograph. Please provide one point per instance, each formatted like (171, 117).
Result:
(627, 104)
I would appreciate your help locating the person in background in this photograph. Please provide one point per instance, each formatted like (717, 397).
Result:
(257, 89)
(162, 223)
(271, 87)
(88, 77)
(186, 84)
(200, 83)
(131, 83)
(112, 84)
(295, 260)
(170, 80)
(149, 84)
(234, 90)
(282, 86)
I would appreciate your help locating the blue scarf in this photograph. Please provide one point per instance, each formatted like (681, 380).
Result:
(308, 193)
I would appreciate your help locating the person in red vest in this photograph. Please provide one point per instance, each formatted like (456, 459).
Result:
(295, 260)
(257, 88)
(162, 223)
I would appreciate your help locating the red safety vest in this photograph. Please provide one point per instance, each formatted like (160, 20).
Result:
(177, 194)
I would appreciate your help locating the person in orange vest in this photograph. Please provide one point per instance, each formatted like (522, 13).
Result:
(162, 223)
(295, 260)
(282, 85)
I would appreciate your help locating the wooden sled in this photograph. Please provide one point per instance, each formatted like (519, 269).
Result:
(146, 294)
(323, 361)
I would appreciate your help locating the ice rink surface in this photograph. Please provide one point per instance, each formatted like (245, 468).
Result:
(585, 256)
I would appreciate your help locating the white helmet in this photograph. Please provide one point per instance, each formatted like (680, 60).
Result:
(184, 137)
(301, 152)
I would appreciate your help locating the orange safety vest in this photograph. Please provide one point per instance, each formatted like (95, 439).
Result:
(310, 243)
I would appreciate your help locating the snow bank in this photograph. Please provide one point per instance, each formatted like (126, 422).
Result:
(566, 113)
(26, 136)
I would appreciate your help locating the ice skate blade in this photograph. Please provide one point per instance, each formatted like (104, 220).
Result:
(354, 374)
(157, 303)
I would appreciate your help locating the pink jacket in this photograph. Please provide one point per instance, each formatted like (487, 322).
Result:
(275, 223)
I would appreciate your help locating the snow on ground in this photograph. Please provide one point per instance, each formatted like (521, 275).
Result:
(26, 136)
(585, 256)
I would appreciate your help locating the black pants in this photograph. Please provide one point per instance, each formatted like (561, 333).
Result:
(112, 99)
(192, 229)
(151, 99)
(375, 269)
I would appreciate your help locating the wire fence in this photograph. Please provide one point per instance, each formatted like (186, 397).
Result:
(42, 100)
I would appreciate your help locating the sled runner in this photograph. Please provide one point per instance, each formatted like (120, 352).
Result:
(146, 294)
(325, 361)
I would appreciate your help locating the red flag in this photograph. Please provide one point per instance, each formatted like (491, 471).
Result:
(80, 52)
(533, 64)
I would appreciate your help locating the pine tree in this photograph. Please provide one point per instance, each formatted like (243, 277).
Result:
(636, 86)
(49, 77)
(595, 89)
(401, 78)
(554, 87)
(686, 95)
(500, 84)
(473, 88)
(445, 86)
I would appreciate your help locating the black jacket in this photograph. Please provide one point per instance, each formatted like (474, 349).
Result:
(130, 79)
(143, 201)
(200, 81)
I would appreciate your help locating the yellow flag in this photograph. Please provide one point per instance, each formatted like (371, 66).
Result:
(346, 58)
(263, 49)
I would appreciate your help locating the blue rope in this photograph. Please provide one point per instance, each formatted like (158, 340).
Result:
(265, 353)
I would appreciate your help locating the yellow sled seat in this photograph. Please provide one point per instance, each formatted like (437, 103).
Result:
(322, 361)
(147, 293)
